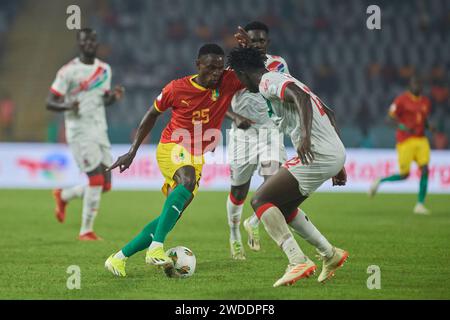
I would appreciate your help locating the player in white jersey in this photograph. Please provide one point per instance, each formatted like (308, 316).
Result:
(82, 90)
(321, 156)
(258, 147)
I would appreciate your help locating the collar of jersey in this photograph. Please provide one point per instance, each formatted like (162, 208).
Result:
(414, 97)
(195, 84)
(78, 60)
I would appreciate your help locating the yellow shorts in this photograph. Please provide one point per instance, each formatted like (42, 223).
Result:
(413, 149)
(171, 157)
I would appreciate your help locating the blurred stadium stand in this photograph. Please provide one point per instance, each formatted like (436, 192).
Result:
(356, 71)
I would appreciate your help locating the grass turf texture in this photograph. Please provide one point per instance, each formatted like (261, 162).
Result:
(412, 251)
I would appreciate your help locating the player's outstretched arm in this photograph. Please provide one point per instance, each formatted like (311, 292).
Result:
(293, 94)
(56, 103)
(111, 97)
(240, 121)
(146, 125)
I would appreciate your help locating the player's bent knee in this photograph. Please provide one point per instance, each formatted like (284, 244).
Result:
(97, 180)
(239, 193)
(404, 175)
(189, 184)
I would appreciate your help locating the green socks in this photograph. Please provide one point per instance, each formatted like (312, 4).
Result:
(394, 177)
(159, 228)
(423, 186)
(142, 240)
(173, 207)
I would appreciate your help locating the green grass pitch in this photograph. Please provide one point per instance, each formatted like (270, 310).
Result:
(411, 251)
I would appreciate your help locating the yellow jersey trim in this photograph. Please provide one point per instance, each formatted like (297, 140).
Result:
(156, 107)
(413, 96)
(195, 84)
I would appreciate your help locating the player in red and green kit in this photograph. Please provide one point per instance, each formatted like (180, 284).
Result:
(199, 104)
(410, 111)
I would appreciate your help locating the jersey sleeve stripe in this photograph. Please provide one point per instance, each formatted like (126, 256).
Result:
(283, 88)
(156, 107)
(56, 92)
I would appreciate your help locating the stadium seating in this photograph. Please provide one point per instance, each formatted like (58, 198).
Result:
(327, 45)
(8, 10)
(362, 64)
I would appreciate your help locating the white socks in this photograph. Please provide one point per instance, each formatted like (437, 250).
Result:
(155, 244)
(293, 251)
(72, 193)
(278, 230)
(234, 213)
(306, 229)
(119, 255)
(254, 221)
(91, 203)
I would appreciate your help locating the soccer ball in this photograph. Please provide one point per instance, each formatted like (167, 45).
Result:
(183, 259)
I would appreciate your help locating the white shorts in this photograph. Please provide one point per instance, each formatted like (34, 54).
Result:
(248, 149)
(311, 177)
(89, 155)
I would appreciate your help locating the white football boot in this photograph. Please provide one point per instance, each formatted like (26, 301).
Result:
(295, 272)
(420, 209)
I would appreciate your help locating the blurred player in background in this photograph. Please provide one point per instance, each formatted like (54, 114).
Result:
(199, 104)
(82, 90)
(259, 146)
(321, 156)
(410, 112)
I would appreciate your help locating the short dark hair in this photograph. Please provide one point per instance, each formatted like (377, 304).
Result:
(84, 30)
(244, 59)
(257, 25)
(210, 48)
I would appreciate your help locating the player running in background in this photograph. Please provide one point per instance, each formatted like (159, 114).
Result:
(82, 90)
(410, 112)
(259, 146)
(321, 156)
(199, 104)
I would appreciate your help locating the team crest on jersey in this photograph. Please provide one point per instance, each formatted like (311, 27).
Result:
(276, 66)
(215, 94)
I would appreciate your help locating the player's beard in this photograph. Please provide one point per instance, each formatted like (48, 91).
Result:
(90, 54)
